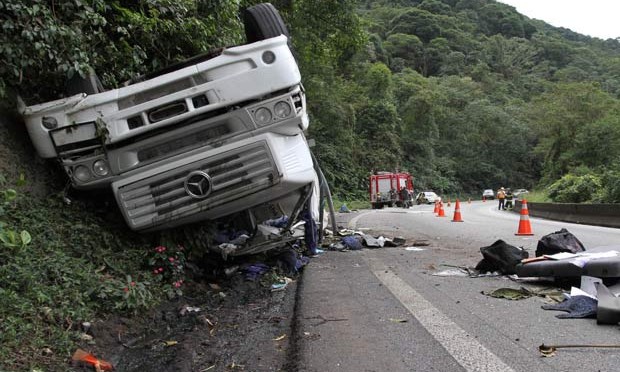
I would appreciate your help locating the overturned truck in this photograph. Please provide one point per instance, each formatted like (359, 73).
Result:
(217, 135)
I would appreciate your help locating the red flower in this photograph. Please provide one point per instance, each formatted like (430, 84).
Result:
(133, 284)
(126, 289)
(160, 269)
(171, 259)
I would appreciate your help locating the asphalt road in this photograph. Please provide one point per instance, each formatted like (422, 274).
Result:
(384, 310)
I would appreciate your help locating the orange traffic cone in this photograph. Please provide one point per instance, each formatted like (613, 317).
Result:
(457, 212)
(436, 210)
(524, 223)
(441, 211)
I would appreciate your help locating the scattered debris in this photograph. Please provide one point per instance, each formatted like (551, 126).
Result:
(576, 307)
(394, 320)
(549, 350)
(352, 242)
(216, 287)
(291, 261)
(189, 309)
(558, 242)
(521, 293)
(279, 222)
(501, 256)
(231, 270)
(457, 271)
(253, 271)
(414, 249)
(275, 287)
(280, 338)
(511, 293)
(85, 357)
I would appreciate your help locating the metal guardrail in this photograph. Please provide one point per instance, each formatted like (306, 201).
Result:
(591, 214)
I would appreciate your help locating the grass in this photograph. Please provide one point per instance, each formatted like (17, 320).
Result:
(77, 265)
(537, 197)
(351, 204)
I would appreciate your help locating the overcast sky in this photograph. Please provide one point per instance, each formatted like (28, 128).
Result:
(598, 18)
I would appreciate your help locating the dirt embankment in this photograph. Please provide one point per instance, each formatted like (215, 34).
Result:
(18, 157)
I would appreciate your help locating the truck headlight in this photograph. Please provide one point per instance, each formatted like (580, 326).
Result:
(282, 109)
(262, 116)
(101, 168)
(81, 173)
(49, 122)
(268, 57)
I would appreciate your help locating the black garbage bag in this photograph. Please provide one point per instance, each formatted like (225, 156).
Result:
(558, 242)
(501, 256)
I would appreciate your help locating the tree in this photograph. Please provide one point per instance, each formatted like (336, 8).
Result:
(559, 117)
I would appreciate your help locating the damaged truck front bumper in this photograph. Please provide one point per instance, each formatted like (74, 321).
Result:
(216, 182)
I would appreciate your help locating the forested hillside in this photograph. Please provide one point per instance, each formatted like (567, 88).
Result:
(465, 94)
(469, 95)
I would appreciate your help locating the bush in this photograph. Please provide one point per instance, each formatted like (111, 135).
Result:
(611, 183)
(576, 189)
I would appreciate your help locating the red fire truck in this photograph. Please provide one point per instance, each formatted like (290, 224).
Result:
(390, 189)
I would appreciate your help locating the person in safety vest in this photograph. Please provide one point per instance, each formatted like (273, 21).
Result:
(501, 197)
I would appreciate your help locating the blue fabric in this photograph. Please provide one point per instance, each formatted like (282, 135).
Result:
(278, 222)
(225, 236)
(352, 243)
(291, 262)
(254, 271)
(576, 307)
(311, 233)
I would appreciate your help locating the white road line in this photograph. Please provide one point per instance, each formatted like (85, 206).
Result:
(468, 352)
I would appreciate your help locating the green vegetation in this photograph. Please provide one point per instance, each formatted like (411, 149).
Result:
(66, 265)
(465, 95)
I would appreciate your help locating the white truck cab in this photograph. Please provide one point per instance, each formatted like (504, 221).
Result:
(208, 139)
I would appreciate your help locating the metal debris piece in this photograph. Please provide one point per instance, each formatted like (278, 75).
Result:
(549, 350)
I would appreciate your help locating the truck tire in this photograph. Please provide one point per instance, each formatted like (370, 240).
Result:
(263, 21)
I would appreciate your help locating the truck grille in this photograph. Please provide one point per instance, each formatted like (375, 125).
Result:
(162, 198)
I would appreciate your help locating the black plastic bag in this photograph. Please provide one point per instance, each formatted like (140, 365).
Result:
(558, 242)
(501, 256)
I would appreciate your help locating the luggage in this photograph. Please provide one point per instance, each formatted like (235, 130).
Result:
(558, 242)
(501, 256)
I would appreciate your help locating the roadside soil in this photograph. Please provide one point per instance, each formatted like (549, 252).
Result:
(229, 325)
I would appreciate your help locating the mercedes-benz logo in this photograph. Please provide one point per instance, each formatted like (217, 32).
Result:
(198, 184)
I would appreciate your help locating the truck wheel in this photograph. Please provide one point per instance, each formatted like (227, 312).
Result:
(89, 84)
(263, 21)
